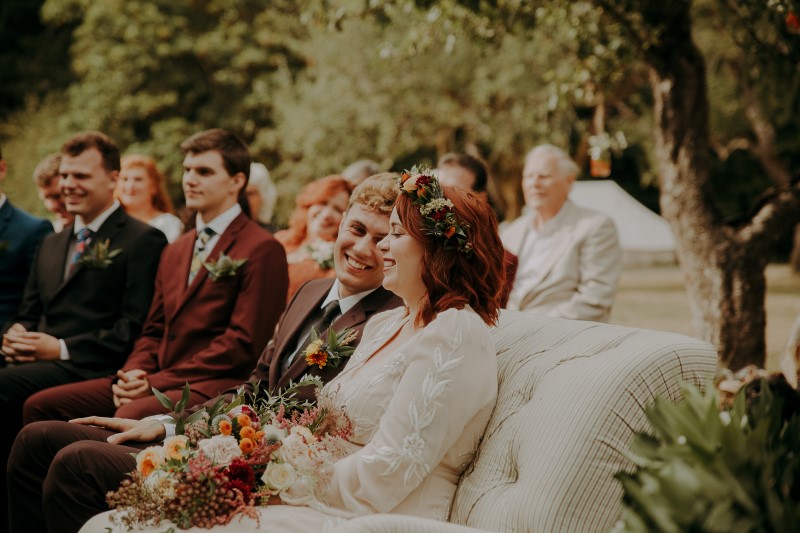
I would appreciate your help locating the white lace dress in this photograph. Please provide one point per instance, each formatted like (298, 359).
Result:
(418, 415)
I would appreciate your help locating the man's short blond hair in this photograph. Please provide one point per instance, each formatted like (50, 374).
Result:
(377, 193)
(47, 170)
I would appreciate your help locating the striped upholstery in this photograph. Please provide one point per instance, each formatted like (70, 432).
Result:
(570, 396)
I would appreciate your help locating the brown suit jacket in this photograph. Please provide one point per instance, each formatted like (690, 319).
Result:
(211, 333)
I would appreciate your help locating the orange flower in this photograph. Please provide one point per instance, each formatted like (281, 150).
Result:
(421, 192)
(225, 427)
(247, 432)
(404, 176)
(319, 358)
(247, 446)
(450, 232)
(243, 420)
(259, 436)
(149, 459)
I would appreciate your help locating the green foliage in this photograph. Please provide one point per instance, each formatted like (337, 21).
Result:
(704, 469)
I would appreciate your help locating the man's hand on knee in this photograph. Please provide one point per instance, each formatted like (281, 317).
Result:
(128, 430)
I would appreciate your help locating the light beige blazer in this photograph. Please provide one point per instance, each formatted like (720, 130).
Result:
(579, 278)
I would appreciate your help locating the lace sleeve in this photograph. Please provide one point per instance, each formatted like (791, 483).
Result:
(450, 376)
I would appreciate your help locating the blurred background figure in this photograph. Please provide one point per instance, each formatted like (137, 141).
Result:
(142, 192)
(570, 259)
(262, 195)
(357, 172)
(47, 179)
(313, 227)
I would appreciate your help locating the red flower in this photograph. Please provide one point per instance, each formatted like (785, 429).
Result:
(423, 180)
(793, 22)
(439, 215)
(241, 471)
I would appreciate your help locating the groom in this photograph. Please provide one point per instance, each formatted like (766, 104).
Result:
(59, 472)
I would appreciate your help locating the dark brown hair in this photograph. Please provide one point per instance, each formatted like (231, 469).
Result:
(472, 164)
(234, 151)
(454, 279)
(79, 143)
(316, 192)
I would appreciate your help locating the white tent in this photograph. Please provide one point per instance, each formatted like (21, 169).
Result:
(645, 237)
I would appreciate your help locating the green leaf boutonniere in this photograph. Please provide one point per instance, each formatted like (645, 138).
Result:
(225, 267)
(330, 353)
(99, 256)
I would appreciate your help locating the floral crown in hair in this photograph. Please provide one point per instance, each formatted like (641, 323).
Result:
(422, 185)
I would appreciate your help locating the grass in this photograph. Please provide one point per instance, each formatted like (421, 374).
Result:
(656, 298)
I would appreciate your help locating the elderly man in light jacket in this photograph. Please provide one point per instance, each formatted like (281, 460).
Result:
(569, 257)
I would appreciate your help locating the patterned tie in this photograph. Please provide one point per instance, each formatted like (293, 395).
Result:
(84, 239)
(199, 247)
(329, 312)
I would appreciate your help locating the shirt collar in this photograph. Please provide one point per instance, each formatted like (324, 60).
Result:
(347, 303)
(2, 199)
(221, 222)
(95, 224)
(551, 224)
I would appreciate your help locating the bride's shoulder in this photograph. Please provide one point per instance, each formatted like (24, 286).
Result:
(463, 323)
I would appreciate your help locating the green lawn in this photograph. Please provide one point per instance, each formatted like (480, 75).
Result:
(655, 298)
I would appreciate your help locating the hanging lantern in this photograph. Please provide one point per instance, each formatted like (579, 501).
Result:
(600, 155)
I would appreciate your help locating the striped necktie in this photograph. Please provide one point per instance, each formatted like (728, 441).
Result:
(199, 247)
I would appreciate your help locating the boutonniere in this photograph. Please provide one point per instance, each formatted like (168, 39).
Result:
(225, 267)
(322, 253)
(99, 256)
(330, 353)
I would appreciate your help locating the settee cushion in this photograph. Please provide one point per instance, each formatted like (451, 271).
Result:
(571, 395)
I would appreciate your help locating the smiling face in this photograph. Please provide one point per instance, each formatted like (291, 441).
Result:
(544, 186)
(207, 186)
(356, 257)
(53, 200)
(135, 188)
(87, 187)
(402, 263)
(323, 219)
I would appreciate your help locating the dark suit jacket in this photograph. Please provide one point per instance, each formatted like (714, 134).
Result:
(211, 333)
(97, 311)
(308, 298)
(20, 236)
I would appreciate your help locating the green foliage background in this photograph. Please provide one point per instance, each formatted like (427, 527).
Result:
(315, 85)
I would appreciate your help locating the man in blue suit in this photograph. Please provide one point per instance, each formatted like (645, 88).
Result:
(20, 235)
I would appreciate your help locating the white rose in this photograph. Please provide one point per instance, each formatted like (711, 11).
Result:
(304, 433)
(220, 449)
(279, 476)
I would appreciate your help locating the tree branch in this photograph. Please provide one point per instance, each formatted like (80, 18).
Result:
(779, 211)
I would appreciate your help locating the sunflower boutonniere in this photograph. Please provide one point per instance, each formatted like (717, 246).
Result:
(99, 256)
(338, 346)
(225, 267)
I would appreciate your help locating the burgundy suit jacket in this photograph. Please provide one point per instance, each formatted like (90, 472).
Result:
(210, 334)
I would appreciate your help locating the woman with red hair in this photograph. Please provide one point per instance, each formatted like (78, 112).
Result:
(313, 227)
(142, 192)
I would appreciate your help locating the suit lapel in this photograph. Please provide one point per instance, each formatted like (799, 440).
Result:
(175, 289)
(353, 317)
(224, 244)
(5, 217)
(107, 231)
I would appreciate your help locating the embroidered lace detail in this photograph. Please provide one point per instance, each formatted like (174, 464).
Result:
(413, 448)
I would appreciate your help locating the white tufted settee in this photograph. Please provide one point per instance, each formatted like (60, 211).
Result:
(571, 395)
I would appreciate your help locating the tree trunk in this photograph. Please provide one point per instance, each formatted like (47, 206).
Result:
(794, 259)
(725, 279)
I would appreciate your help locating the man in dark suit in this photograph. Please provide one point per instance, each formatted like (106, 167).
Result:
(88, 292)
(47, 485)
(20, 235)
(201, 330)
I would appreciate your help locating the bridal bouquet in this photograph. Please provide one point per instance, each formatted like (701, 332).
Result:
(233, 457)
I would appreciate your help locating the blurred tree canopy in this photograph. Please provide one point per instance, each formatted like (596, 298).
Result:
(698, 98)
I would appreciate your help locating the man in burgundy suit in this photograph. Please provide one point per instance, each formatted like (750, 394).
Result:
(59, 472)
(202, 330)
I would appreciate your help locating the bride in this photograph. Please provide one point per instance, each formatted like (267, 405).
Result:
(421, 385)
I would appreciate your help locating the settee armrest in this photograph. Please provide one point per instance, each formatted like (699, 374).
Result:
(395, 523)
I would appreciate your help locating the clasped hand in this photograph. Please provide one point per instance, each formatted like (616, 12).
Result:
(23, 346)
(130, 386)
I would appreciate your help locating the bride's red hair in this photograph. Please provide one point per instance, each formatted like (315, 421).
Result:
(454, 279)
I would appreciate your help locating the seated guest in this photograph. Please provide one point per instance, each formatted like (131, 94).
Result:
(262, 195)
(20, 235)
(470, 173)
(569, 257)
(313, 226)
(48, 182)
(88, 290)
(203, 330)
(41, 468)
(357, 172)
(141, 191)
